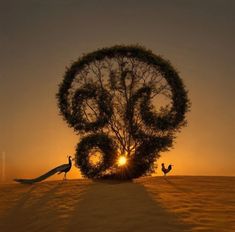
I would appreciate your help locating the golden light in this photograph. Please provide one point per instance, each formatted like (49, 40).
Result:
(95, 157)
(122, 160)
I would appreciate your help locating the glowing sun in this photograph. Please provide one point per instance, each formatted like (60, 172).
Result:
(122, 160)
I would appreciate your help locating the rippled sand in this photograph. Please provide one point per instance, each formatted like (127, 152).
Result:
(147, 204)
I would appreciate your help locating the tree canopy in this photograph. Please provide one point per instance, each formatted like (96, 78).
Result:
(122, 101)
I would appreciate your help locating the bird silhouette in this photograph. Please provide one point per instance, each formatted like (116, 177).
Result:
(62, 168)
(166, 170)
(65, 167)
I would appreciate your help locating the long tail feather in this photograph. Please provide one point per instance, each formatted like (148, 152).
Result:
(40, 178)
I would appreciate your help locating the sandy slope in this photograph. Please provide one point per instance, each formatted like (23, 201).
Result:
(148, 204)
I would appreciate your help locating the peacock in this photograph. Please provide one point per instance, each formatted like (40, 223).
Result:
(62, 168)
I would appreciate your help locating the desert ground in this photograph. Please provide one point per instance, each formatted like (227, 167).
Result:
(174, 203)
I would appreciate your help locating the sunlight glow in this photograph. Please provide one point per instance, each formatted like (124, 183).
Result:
(122, 160)
(95, 157)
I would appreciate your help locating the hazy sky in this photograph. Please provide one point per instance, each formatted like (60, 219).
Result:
(38, 38)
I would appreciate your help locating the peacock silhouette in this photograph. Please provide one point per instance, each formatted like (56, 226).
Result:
(59, 169)
(126, 104)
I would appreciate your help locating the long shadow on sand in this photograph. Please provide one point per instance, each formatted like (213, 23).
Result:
(26, 210)
(174, 185)
(121, 206)
(87, 206)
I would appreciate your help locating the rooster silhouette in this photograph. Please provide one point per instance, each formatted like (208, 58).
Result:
(166, 170)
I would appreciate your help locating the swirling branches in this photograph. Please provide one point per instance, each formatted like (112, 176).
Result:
(108, 150)
(104, 108)
(130, 95)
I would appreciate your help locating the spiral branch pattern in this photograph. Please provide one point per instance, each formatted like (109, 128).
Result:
(108, 98)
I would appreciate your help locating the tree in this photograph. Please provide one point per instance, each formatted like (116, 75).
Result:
(122, 100)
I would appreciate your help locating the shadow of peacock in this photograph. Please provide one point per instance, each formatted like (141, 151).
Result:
(64, 168)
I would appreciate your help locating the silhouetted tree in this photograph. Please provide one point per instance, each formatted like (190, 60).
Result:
(122, 100)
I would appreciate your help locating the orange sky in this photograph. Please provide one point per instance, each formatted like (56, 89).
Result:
(39, 38)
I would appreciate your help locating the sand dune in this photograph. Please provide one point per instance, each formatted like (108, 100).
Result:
(147, 204)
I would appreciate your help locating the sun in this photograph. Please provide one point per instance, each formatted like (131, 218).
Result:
(122, 160)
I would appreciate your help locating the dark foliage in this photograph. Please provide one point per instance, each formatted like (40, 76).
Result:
(101, 96)
(108, 149)
(122, 82)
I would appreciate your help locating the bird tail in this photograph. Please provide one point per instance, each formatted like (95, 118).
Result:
(40, 178)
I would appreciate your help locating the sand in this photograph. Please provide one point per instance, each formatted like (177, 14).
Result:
(147, 204)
